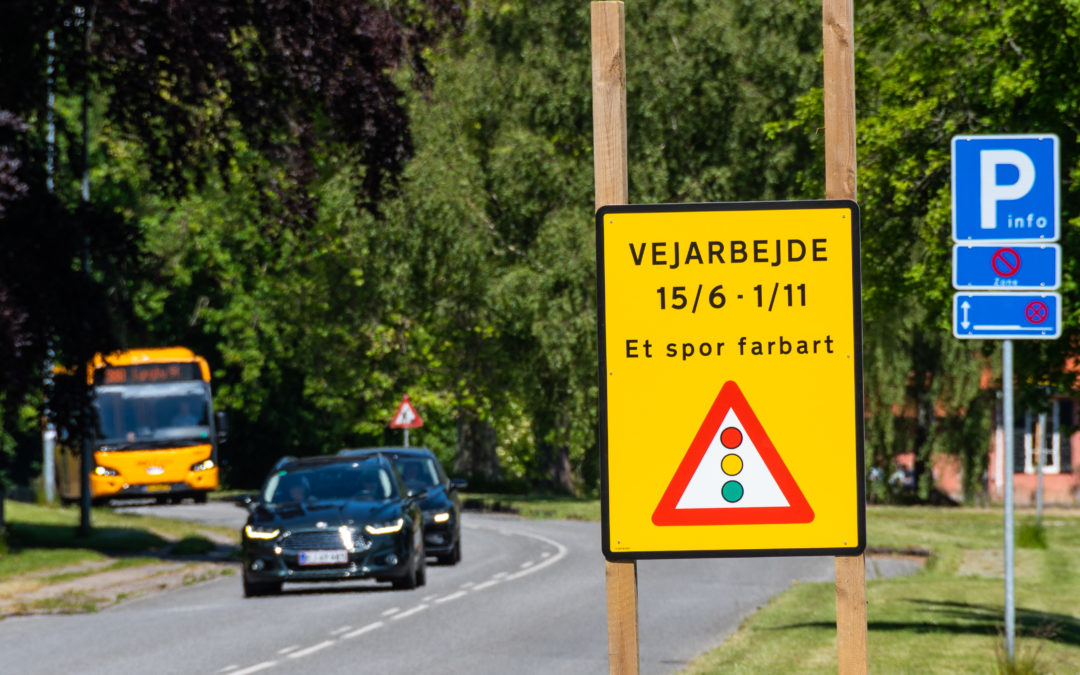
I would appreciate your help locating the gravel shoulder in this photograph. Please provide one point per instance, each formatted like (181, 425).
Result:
(97, 585)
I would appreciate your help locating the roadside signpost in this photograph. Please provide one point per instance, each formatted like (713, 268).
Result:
(998, 316)
(406, 418)
(1005, 214)
(731, 392)
(731, 379)
(1007, 267)
(1005, 188)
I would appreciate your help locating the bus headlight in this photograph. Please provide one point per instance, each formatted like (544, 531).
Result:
(204, 465)
(105, 471)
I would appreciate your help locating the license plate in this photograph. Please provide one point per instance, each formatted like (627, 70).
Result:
(324, 557)
(158, 488)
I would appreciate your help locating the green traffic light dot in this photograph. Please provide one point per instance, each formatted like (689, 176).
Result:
(732, 491)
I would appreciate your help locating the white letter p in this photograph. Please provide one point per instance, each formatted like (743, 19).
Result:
(991, 193)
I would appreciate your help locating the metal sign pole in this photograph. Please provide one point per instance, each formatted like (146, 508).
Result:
(1007, 405)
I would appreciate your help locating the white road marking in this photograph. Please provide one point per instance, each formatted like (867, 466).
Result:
(256, 668)
(290, 648)
(561, 552)
(526, 568)
(311, 650)
(366, 629)
(410, 612)
(452, 596)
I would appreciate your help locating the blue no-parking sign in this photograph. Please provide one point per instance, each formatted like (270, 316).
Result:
(1023, 316)
(1007, 267)
(1005, 188)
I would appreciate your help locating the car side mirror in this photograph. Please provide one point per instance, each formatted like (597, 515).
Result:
(246, 501)
(417, 495)
(458, 483)
(221, 424)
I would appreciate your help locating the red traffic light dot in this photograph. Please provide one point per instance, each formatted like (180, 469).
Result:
(731, 438)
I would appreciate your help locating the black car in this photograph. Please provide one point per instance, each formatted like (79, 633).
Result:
(420, 470)
(331, 519)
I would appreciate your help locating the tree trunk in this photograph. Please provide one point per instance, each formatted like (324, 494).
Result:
(476, 440)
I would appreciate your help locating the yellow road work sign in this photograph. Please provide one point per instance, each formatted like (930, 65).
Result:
(730, 379)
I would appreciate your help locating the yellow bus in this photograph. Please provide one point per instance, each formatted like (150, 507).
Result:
(156, 434)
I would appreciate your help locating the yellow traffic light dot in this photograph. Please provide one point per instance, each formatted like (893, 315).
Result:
(731, 464)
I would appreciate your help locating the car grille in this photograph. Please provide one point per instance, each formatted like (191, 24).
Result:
(313, 541)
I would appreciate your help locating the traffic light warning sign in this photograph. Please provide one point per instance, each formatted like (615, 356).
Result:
(732, 474)
(730, 399)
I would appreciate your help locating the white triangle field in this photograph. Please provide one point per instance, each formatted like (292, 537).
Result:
(704, 491)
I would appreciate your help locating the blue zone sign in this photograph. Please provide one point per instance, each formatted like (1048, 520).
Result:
(1005, 188)
(1027, 316)
(1006, 267)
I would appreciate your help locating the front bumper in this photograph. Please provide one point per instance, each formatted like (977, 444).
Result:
(192, 482)
(387, 557)
(439, 538)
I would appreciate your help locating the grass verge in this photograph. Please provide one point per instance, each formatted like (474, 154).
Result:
(537, 507)
(947, 619)
(42, 538)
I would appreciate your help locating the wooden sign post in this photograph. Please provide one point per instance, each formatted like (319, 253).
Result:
(609, 166)
(838, 31)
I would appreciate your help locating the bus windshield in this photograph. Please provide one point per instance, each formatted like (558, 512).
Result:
(141, 413)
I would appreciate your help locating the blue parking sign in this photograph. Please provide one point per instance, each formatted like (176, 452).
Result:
(1005, 188)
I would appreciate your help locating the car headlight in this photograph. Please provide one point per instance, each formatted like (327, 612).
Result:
(105, 471)
(204, 465)
(441, 517)
(387, 527)
(261, 531)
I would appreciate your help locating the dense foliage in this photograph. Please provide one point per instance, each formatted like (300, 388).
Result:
(337, 208)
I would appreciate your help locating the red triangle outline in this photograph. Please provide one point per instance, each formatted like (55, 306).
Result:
(417, 421)
(798, 509)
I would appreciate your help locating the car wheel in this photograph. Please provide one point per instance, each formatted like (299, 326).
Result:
(256, 588)
(453, 557)
(421, 573)
(410, 580)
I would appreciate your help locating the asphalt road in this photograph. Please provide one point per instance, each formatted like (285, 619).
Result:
(528, 597)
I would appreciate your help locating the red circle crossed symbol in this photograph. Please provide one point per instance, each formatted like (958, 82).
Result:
(1005, 261)
(1036, 311)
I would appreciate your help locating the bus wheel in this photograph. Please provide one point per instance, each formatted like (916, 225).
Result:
(200, 498)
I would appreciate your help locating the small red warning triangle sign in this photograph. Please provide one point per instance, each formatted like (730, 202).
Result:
(406, 416)
(732, 474)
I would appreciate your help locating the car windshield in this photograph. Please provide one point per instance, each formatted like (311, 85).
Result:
(365, 481)
(153, 412)
(417, 472)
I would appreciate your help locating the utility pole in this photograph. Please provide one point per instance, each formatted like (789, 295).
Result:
(88, 413)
